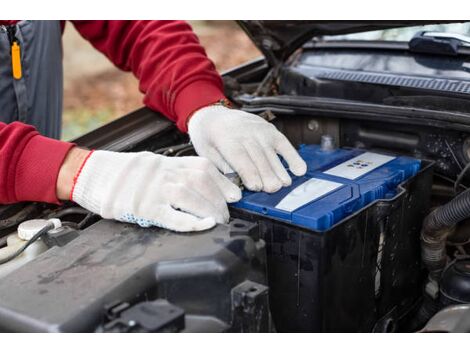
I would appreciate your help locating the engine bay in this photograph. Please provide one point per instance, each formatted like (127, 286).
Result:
(346, 258)
(343, 249)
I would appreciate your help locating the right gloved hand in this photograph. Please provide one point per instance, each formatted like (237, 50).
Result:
(235, 140)
(177, 193)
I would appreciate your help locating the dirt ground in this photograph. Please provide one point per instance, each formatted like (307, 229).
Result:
(96, 92)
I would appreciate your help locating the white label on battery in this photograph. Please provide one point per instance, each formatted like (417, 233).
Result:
(359, 166)
(306, 192)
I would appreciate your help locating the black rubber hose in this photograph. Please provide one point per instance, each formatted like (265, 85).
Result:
(448, 215)
(437, 226)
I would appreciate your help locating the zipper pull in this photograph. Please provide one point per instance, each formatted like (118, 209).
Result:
(16, 61)
(15, 53)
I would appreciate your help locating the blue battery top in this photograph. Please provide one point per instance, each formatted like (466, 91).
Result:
(337, 184)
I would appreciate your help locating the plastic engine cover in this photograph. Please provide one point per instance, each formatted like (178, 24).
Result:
(337, 183)
(117, 277)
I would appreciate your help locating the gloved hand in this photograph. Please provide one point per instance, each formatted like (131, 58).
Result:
(238, 141)
(180, 193)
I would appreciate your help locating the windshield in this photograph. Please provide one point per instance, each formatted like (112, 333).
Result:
(404, 34)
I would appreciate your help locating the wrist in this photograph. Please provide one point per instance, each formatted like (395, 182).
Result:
(73, 162)
(199, 93)
(222, 102)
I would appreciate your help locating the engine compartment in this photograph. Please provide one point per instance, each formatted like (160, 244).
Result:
(260, 273)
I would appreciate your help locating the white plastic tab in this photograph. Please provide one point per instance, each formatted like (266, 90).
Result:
(307, 192)
(359, 165)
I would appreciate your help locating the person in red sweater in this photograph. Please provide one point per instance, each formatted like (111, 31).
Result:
(178, 80)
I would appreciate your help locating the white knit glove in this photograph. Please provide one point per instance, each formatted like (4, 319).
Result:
(180, 193)
(247, 144)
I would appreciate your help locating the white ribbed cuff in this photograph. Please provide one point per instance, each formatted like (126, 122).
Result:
(91, 185)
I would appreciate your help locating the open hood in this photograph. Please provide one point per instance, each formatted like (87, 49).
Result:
(278, 39)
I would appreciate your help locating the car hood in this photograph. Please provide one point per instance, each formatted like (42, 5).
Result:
(278, 39)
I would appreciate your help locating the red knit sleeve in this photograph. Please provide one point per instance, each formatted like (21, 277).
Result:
(29, 164)
(173, 70)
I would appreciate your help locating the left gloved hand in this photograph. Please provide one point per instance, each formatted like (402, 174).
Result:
(235, 140)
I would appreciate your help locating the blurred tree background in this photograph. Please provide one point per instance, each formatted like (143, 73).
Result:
(96, 92)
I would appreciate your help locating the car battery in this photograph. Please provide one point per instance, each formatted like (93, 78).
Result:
(343, 240)
(337, 183)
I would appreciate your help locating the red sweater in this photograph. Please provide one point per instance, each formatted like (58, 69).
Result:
(174, 73)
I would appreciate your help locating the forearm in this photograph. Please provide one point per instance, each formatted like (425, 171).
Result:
(29, 164)
(174, 72)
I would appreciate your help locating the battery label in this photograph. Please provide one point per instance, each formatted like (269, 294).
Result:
(359, 165)
(307, 192)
